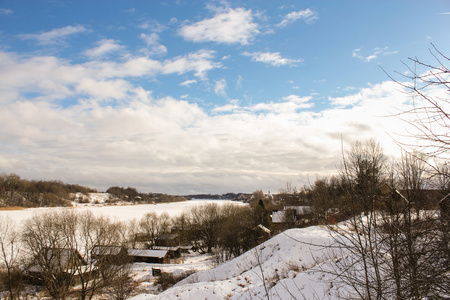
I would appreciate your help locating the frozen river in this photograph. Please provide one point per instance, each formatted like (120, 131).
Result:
(120, 213)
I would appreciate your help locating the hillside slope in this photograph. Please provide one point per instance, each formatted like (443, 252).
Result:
(288, 266)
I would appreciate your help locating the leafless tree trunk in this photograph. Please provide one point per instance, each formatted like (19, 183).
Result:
(10, 268)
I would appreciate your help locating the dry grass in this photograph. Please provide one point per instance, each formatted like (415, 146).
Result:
(12, 208)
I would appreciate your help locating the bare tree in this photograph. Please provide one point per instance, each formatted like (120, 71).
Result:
(236, 232)
(429, 124)
(429, 86)
(154, 226)
(65, 247)
(205, 224)
(121, 286)
(357, 242)
(393, 251)
(132, 231)
(10, 266)
(48, 239)
(363, 171)
(102, 244)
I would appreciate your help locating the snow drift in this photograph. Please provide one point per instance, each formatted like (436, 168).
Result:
(288, 266)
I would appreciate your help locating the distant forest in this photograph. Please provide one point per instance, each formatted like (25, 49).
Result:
(15, 191)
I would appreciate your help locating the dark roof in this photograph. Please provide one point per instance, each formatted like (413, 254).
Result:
(106, 250)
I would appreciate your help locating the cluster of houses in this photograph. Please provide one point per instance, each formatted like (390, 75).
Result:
(70, 261)
(157, 255)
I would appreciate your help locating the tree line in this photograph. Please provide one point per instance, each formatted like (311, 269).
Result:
(15, 191)
(133, 195)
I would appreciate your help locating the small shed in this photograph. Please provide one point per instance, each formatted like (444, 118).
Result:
(149, 256)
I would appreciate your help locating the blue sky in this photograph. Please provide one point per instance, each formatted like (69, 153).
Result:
(203, 96)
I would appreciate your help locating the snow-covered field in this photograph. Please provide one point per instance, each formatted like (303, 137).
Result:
(287, 266)
(118, 212)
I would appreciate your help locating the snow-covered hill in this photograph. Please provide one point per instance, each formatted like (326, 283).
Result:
(288, 266)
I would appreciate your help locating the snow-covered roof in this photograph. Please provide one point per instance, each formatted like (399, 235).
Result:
(147, 253)
(300, 210)
(279, 216)
(263, 228)
(106, 250)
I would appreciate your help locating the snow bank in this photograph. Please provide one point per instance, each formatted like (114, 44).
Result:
(285, 267)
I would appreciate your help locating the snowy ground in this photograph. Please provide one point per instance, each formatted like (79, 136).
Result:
(124, 212)
(189, 263)
(288, 266)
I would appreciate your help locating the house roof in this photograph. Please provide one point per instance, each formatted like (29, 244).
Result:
(279, 216)
(166, 248)
(147, 253)
(301, 210)
(58, 259)
(106, 250)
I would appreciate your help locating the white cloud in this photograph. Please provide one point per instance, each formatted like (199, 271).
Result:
(152, 25)
(56, 79)
(199, 62)
(170, 145)
(272, 58)
(228, 26)
(220, 86)
(373, 54)
(117, 130)
(152, 41)
(104, 90)
(188, 82)
(104, 47)
(54, 36)
(239, 82)
(308, 15)
(289, 105)
(4, 11)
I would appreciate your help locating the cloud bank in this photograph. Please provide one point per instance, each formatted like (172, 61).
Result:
(114, 132)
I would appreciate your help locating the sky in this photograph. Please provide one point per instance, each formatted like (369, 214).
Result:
(186, 97)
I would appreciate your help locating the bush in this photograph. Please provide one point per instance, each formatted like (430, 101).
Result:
(166, 280)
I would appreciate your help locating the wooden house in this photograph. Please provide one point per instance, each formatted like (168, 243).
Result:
(116, 254)
(58, 262)
(174, 252)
